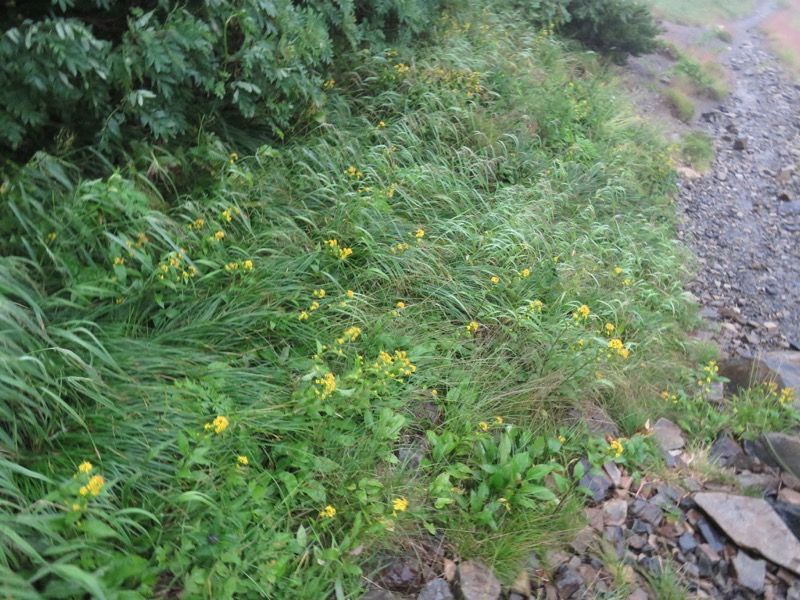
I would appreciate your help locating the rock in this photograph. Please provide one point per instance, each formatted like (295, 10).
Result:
(723, 450)
(600, 487)
(745, 373)
(475, 581)
(752, 524)
(615, 512)
(789, 496)
(741, 142)
(790, 514)
(687, 542)
(583, 541)
(710, 534)
(436, 589)
(613, 472)
(762, 482)
(668, 435)
(779, 450)
(750, 573)
(402, 575)
(787, 365)
(688, 173)
(569, 584)
(596, 420)
(594, 517)
(647, 512)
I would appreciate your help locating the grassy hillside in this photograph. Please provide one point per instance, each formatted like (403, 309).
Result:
(208, 392)
(709, 12)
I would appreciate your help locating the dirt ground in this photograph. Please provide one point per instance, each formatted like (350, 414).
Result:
(783, 29)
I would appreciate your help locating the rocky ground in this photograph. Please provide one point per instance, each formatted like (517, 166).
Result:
(677, 535)
(742, 218)
(725, 525)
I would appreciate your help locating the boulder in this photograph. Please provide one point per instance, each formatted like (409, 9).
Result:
(752, 524)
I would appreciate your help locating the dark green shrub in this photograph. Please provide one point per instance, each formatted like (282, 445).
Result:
(102, 72)
(616, 28)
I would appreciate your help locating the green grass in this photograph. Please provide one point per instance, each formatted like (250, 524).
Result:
(479, 192)
(681, 105)
(687, 12)
(697, 150)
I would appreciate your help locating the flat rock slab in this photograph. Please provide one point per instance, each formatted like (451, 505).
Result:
(436, 589)
(475, 581)
(750, 573)
(668, 435)
(752, 524)
(779, 450)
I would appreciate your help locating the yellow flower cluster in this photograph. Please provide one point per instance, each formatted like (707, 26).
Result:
(197, 224)
(353, 172)
(582, 312)
(786, 397)
(609, 328)
(329, 84)
(85, 467)
(400, 248)
(472, 327)
(536, 306)
(419, 234)
(94, 487)
(217, 237)
(52, 236)
(524, 274)
(395, 365)
(340, 252)
(495, 279)
(350, 335)
(327, 385)
(616, 447)
(219, 424)
(119, 261)
(616, 344)
(399, 505)
(227, 215)
(174, 267)
(320, 293)
(328, 512)
(242, 460)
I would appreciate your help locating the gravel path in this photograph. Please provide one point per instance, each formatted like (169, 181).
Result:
(742, 219)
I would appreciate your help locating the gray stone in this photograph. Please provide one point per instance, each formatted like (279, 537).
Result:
(639, 594)
(569, 584)
(762, 482)
(723, 450)
(436, 589)
(779, 450)
(750, 573)
(752, 524)
(741, 142)
(647, 512)
(615, 512)
(613, 472)
(599, 486)
(475, 581)
(668, 435)
(745, 373)
(687, 542)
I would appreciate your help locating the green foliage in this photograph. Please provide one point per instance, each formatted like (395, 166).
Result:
(747, 415)
(616, 28)
(697, 149)
(108, 72)
(243, 345)
(681, 105)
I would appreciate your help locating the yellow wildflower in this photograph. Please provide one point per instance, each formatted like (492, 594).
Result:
(583, 311)
(94, 487)
(562, 439)
(51, 237)
(328, 512)
(76, 507)
(119, 261)
(498, 420)
(219, 235)
(314, 306)
(399, 505)
(401, 304)
(303, 316)
(350, 293)
(419, 234)
(616, 447)
(484, 426)
(472, 327)
(617, 270)
(495, 279)
(524, 273)
(352, 333)
(243, 460)
(327, 384)
(248, 265)
(219, 424)
(609, 327)
(615, 344)
(85, 467)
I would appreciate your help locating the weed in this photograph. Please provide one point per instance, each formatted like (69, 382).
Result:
(697, 149)
(681, 105)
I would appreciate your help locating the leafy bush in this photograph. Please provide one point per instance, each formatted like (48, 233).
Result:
(616, 28)
(99, 72)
